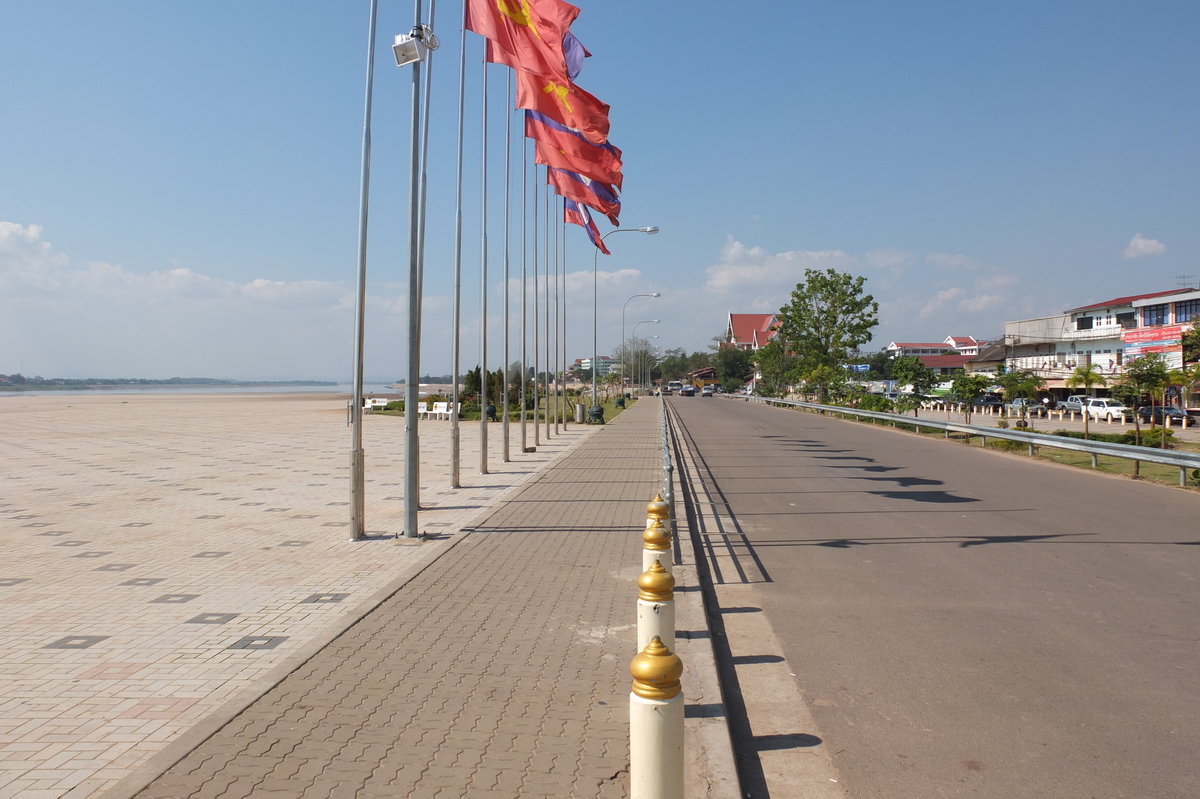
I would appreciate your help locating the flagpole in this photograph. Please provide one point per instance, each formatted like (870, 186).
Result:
(483, 284)
(422, 207)
(412, 446)
(456, 334)
(507, 193)
(545, 233)
(562, 223)
(537, 428)
(558, 400)
(357, 467)
(524, 295)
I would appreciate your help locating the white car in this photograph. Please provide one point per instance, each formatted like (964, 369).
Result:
(1107, 409)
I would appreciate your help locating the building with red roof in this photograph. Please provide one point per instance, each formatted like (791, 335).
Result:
(749, 331)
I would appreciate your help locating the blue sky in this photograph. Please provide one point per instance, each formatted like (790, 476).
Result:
(179, 182)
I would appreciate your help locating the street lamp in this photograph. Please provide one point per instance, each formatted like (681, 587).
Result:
(596, 411)
(633, 333)
(634, 297)
(645, 358)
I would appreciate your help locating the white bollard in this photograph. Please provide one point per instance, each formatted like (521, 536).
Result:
(656, 607)
(656, 547)
(656, 724)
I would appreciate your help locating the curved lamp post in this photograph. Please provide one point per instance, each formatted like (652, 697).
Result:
(654, 295)
(645, 357)
(595, 411)
(633, 333)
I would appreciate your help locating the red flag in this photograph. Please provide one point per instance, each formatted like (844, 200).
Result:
(577, 214)
(601, 162)
(550, 155)
(581, 189)
(565, 103)
(528, 34)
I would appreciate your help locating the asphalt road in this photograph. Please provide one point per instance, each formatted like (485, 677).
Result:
(966, 622)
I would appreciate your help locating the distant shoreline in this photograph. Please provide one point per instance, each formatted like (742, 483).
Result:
(174, 384)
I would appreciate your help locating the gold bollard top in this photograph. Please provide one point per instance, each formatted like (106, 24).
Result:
(656, 537)
(656, 671)
(658, 509)
(656, 584)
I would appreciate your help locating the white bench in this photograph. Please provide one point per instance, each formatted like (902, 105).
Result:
(374, 404)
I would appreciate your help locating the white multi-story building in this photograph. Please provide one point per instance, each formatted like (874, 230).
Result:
(1104, 334)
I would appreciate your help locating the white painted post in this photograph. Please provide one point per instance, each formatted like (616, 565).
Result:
(656, 724)
(656, 607)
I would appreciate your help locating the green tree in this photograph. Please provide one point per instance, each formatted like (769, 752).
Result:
(776, 367)
(1186, 378)
(1085, 377)
(881, 365)
(968, 389)
(734, 366)
(920, 379)
(1191, 342)
(1020, 384)
(1147, 375)
(827, 318)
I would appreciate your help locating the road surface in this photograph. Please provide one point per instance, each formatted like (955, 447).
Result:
(960, 622)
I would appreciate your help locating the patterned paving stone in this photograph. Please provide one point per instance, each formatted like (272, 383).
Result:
(82, 474)
(500, 670)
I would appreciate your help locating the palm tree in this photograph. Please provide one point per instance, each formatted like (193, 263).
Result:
(1186, 378)
(1085, 377)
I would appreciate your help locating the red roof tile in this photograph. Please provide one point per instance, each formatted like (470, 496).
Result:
(1128, 300)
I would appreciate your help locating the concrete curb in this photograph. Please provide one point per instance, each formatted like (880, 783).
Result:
(710, 764)
(166, 758)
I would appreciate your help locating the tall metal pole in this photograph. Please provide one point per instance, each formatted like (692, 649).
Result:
(357, 468)
(483, 285)
(524, 294)
(456, 334)
(559, 394)
(546, 262)
(423, 206)
(595, 312)
(412, 445)
(508, 83)
(537, 423)
(562, 223)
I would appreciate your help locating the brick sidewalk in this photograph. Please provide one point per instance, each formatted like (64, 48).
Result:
(499, 671)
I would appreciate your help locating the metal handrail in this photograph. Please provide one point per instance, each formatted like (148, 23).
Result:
(1182, 460)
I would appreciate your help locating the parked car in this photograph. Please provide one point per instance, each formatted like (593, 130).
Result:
(1026, 406)
(707, 391)
(1160, 415)
(1107, 409)
(1074, 403)
(989, 401)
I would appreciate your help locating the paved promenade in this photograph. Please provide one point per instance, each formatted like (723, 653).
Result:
(501, 670)
(166, 555)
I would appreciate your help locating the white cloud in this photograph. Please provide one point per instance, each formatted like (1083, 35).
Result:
(889, 258)
(939, 301)
(99, 319)
(948, 261)
(741, 267)
(1140, 246)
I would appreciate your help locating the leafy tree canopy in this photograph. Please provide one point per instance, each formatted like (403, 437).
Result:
(829, 316)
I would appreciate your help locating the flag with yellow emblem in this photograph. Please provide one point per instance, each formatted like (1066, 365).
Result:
(565, 103)
(525, 34)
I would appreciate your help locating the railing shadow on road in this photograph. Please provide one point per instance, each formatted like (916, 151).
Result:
(964, 542)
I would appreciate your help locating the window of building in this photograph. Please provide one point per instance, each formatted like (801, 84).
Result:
(1084, 323)
(1127, 320)
(1153, 315)
(1186, 311)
